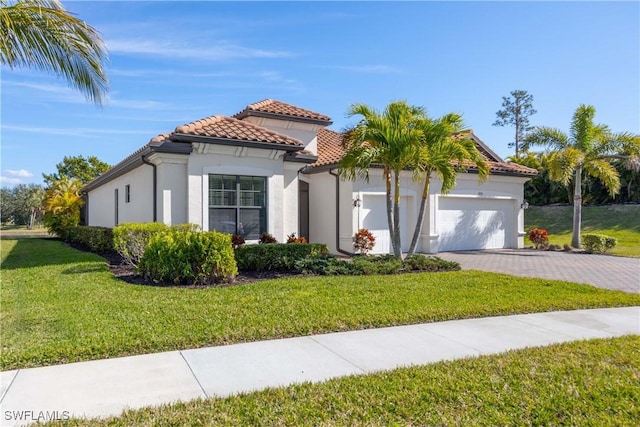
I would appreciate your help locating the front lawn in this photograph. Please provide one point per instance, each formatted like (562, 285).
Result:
(591, 383)
(61, 305)
(617, 221)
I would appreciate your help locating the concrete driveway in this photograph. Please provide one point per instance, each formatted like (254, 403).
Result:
(603, 271)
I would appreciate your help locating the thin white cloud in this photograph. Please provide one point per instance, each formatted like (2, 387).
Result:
(83, 132)
(11, 181)
(369, 69)
(220, 52)
(20, 173)
(67, 95)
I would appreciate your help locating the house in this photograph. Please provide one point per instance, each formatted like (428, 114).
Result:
(272, 168)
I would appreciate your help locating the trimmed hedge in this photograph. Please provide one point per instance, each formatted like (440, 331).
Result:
(276, 256)
(97, 239)
(329, 265)
(131, 239)
(189, 257)
(598, 243)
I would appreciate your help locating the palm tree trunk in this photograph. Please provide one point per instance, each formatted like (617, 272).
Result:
(387, 181)
(423, 208)
(577, 207)
(397, 245)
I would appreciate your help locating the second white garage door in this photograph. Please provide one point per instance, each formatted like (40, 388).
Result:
(471, 223)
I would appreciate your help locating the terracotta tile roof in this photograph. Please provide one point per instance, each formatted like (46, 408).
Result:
(230, 128)
(330, 152)
(330, 149)
(278, 108)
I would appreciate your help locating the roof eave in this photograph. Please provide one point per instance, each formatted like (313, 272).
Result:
(183, 137)
(246, 113)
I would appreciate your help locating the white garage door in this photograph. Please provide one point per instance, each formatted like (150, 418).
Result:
(467, 224)
(374, 218)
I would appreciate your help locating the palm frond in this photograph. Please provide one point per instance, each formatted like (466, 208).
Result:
(545, 137)
(41, 34)
(606, 173)
(562, 164)
(583, 130)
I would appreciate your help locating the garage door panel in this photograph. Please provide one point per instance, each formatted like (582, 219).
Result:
(374, 218)
(467, 224)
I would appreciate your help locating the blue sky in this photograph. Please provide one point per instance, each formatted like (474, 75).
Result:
(171, 63)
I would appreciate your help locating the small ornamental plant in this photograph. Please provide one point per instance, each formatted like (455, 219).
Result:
(237, 240)
(267, 238)
(291, 238)
(363, 241)
(539, 237)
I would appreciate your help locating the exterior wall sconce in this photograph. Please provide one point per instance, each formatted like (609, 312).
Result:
(357, 202)
(524, 205)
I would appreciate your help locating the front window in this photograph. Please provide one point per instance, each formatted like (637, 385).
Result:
(237, 205)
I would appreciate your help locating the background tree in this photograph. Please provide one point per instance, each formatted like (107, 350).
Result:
(588, 148)
(516, 111)
(41, 34)
(22, 204)
(444, 150)
(389, 139)
(77, 167)
(62, 206)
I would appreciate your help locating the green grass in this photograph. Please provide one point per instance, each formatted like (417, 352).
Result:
(587, 383)
(61, 305)
(619, 221)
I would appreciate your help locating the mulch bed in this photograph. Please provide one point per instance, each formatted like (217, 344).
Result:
(127, 273)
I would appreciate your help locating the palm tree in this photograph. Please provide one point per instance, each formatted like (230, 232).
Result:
(588, 148)
(390, 140)
(444, 151)
(62, 205)
(41, 34)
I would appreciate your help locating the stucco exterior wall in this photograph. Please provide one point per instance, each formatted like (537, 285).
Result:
(282, 200)
(172, 188)
(101, 204)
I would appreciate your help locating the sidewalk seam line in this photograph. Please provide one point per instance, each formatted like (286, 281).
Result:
(337, 354)
(194, 375)
(9, 386)
(480, 353)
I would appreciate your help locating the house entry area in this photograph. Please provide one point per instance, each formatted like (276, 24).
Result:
(238, 205)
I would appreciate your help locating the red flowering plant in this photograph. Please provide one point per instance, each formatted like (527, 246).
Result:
(363, 241)
(291, 238)
(237, 240)
(539, 237)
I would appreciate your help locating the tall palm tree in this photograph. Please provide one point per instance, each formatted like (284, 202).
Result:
(444, 151)
(41, 34)
(588, 148)
(390, 140)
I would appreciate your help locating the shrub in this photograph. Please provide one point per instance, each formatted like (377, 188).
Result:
(326, 265)
(363, 241)
(97, 239)
(189, 257)
(383, 264)
(567, 247)
(276, 257)
(416, 262)
(539, 237)
(237, 240)
(131, 239)
(598, 243)
(291, 238)
(266, 238)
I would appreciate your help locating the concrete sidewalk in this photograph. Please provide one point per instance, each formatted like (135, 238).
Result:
(107, 387)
